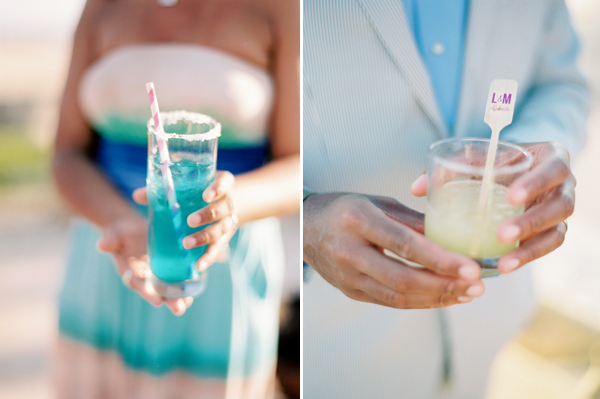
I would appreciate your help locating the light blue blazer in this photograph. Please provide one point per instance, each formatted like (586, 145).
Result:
(369, 117)
(370, 112)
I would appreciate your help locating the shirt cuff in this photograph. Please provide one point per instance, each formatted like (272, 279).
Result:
(306, 192)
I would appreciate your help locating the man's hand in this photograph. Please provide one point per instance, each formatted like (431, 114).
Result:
(548, 193)
(344, 239)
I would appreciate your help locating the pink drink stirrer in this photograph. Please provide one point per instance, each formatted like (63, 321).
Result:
(165, 160)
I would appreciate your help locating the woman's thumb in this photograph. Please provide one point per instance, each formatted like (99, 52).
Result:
(109, 241)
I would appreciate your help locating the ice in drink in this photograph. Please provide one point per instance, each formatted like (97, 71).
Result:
(453, 219)
(169, 261)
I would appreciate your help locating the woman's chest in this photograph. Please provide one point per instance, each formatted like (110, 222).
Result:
(234, 27)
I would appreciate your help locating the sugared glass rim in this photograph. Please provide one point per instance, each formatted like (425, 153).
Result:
(479, 170)
(172, 117)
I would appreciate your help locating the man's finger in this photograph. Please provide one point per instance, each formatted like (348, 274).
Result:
(381, 230)
(534, 248)
(542, 178)
(384, 295)
(538, 218)
(406, 279)
(419, 186)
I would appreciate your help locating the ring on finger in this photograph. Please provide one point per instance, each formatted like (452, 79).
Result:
(126, 278)
(235, 219)
(143, 273)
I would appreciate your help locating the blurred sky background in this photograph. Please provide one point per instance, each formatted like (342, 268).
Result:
(557, 355)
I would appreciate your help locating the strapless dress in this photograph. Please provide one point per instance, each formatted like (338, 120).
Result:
(112, 343)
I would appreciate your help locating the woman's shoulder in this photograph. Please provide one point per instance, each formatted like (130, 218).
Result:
(281, 12)
(100, 22)
(286, 6)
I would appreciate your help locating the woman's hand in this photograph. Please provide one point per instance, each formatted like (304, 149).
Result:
(220, 211)
(344, 238)
(125, 239)
(548, 193)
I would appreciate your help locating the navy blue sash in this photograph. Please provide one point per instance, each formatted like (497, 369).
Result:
(125, 164)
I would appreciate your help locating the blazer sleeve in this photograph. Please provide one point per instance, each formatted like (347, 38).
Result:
(556, 105)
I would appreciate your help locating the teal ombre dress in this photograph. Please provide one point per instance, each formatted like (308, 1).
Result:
(114, 344)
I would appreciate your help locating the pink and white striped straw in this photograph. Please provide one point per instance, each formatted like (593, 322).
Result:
(165, 160)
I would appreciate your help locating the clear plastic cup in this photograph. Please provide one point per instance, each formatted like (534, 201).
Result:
(453, 216)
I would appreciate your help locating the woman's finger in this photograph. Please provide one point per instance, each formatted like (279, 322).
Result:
(400, 277)
(540, 179)
(188, 301)
(133, 272)
(139, 285)
(213, 252)
(209, 234)
(109, 242)
(215, 211)
(121, 264)
(534, 248)
(177, 306)
(223, 182)
(140, 196)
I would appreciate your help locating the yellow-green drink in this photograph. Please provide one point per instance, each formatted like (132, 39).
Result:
(452, 219)
(455, 217)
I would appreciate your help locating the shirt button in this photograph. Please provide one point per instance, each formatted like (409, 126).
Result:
(438, 48)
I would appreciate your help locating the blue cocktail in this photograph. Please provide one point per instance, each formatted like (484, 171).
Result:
(192, 145)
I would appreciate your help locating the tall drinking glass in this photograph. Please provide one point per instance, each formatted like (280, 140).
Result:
(453, 216)
(191, 140)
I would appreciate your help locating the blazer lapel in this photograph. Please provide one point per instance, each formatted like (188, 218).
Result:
(389, 21)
